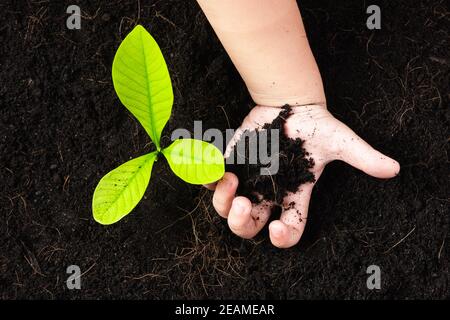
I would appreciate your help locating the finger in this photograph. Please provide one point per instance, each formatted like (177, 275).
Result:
(359, 154)
(287, 231)
(247, 219)
(224, 194)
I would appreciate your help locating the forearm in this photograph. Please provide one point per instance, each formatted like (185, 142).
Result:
(266, 41)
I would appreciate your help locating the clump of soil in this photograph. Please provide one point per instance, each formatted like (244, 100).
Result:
(294, 164)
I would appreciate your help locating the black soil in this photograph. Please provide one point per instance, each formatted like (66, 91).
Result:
(62, 128)
(294, 163)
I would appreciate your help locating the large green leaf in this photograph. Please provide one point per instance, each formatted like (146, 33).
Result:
(195, 161)
(120, 190)
(142, 81)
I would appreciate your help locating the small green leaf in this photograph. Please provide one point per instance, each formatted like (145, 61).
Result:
(120, 190)
(142, 81)
(195, 161)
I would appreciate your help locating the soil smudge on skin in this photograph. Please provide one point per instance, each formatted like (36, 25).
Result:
(294, 164)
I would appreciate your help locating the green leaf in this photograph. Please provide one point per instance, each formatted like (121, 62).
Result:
(142, 81)
(195, 161)
(120, 190)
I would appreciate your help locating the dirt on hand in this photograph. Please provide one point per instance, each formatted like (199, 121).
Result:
(294, 163)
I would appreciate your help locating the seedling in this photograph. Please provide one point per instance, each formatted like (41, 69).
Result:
(142, 82)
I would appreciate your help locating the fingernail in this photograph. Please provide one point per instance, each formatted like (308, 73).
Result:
(240, 207)
(277, 231)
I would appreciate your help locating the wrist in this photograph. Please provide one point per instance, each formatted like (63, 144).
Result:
(273, 99)
(294, 92)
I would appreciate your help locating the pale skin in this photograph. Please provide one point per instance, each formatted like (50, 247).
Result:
(267, 43)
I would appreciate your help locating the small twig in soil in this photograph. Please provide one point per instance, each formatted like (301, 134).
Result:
(297, 281)
(139, 11)
(273, 183)
(159, 15)
(167, 183)
(203, 283)
(66, 182)
(31, 260)
(441, 248)
(59, 152)
(33, 21)
(87, 16)
(147, 275)
(315, 242)
(48, 251)
(24, 202)
(226, 116)
(401, 240)
(194, 231)
(89, 269)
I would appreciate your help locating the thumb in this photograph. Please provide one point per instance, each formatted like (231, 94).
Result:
(359, 154)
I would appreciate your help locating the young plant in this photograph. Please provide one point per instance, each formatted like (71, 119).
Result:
(142, 82)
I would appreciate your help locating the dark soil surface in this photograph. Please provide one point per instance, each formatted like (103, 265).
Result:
(62, 128)
(293, 168)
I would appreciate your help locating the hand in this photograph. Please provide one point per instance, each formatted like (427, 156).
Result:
(326, 139)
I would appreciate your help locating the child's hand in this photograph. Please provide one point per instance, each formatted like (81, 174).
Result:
(326, 139)
(268, 45)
